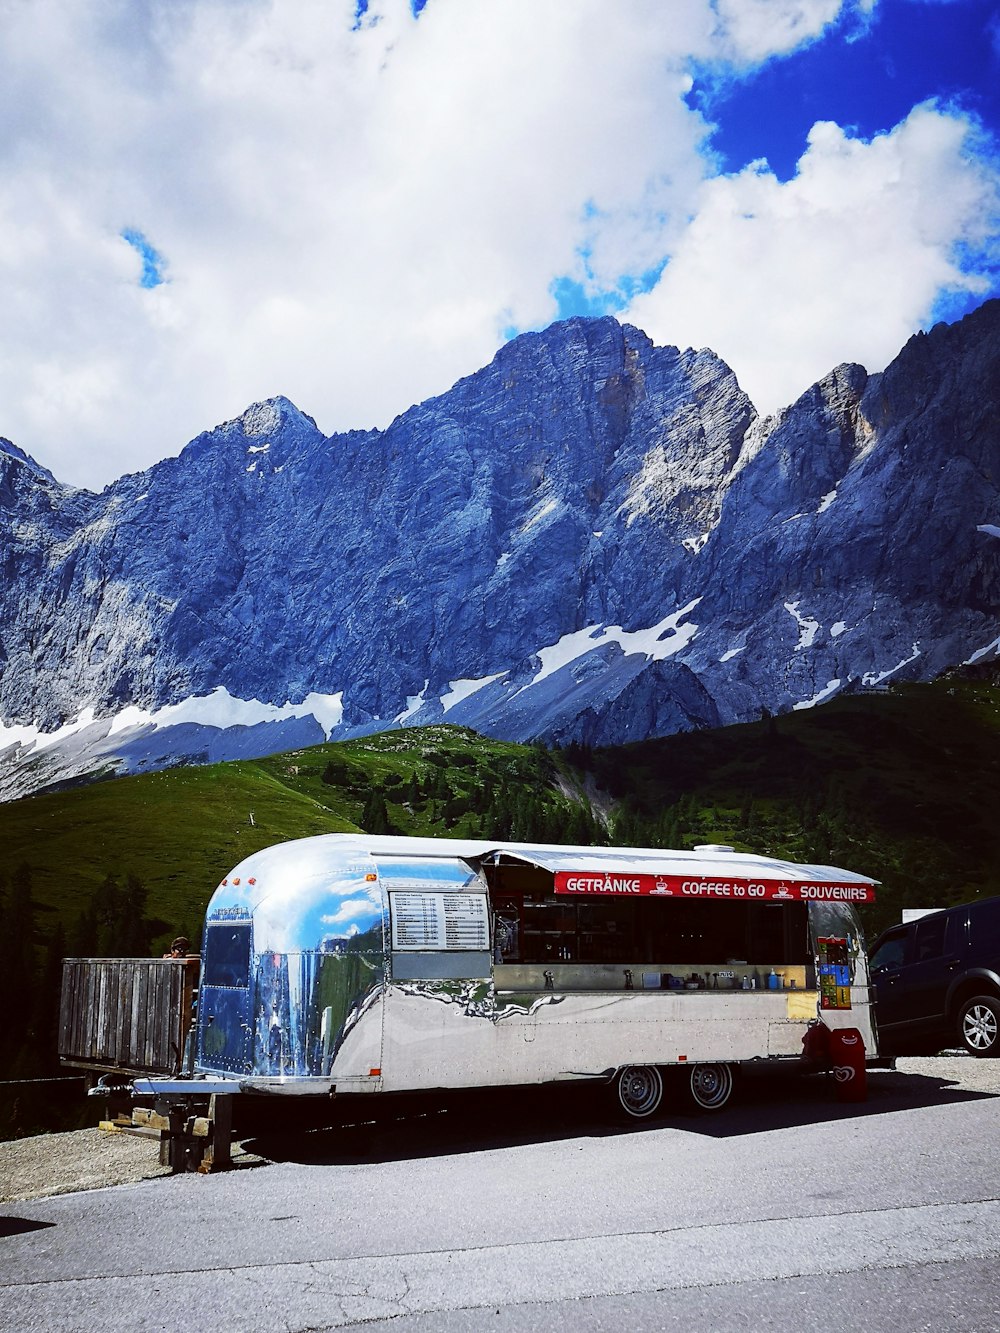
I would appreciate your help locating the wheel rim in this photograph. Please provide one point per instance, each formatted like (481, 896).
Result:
(711, 1085)
(979, 1027)
(640, 1090)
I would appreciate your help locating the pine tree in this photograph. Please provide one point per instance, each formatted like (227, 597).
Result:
(108, 905)
(134, 936)
(20, 963)
(45, 1010)
(375, 816)
(82, 942)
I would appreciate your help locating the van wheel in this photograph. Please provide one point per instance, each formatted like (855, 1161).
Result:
(638, 1091)
(710, 1086)
(979, 1026)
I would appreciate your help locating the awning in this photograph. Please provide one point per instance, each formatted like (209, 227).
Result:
(719, 876)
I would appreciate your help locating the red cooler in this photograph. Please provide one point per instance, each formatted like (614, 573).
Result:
(847, 1064)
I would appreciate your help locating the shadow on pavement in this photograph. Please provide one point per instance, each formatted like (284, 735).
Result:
(17, 1226)
(392, 1128)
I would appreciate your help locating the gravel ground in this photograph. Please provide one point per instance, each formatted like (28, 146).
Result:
(87, 1159)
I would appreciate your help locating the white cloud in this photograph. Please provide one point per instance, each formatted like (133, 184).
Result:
(757, 29)
(843, 262)
(349, 218)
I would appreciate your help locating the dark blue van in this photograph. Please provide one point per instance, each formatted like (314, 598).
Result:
(936, 982)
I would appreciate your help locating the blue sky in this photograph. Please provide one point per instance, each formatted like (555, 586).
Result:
(864, 72)
(354, 204)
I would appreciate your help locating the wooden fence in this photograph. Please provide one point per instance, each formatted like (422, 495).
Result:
(126, 1015)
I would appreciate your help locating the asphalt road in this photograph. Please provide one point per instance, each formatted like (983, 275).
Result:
(528, 1211)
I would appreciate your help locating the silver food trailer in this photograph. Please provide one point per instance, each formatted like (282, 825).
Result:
(347, 964)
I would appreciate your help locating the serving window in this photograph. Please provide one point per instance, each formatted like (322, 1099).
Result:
(535, 927)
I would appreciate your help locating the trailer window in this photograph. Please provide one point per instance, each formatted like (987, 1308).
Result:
(548, 928)
(227, 954)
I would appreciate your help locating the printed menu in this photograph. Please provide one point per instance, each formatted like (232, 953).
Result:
(439, 921)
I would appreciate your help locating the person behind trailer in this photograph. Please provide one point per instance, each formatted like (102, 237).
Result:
(179, 948)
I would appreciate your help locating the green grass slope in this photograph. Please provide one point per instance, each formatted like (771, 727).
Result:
(181, 830)
(903, 785)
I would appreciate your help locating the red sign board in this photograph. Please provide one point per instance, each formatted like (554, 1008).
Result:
(626, 884)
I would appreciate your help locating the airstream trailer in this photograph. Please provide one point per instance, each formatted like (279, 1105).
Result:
(347, 964)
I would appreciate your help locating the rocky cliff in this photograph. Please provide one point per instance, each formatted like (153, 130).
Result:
(591, 538)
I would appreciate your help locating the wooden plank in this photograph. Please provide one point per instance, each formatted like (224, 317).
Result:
(90, 1017)
(137, 1017)
(75, 1035)
(65, 1005)
(67, 996)
(120, 1034)
(135, 1020)
(112, 1009)
(141, 1052)
(123, 990)
(157, 995)
(218, 1150)
(105, 1012)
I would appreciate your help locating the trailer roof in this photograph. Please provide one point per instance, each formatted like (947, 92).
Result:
(714, 863)
(327, 852)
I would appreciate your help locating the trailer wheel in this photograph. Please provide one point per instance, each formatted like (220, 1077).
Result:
(638, 1091)
(709, 1086)
(979, 1026)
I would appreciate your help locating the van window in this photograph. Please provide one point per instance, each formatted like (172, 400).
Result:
(930, 932)
(890, 953)
(984, 926)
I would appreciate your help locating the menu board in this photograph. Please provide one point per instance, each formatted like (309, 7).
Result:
(439, 921)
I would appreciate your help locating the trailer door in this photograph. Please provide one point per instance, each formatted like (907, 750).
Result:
(224, 1027)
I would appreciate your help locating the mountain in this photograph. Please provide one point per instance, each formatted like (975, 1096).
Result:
(591, 539)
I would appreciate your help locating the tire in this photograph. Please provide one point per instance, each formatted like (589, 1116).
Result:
(638, 1091)
(979, 1026)
(709, 1087)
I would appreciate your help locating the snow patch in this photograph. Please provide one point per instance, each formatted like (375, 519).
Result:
(983, 652)
(658, 642)
(840, 627)
(876, 678)
(808, 628)
(827, 501)
(731, 653)
(831, 688)
(414, 702)
(30, 737)
(694, 544)
(222, 709)
(259, 448)
(989, 529)
(461, 689)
